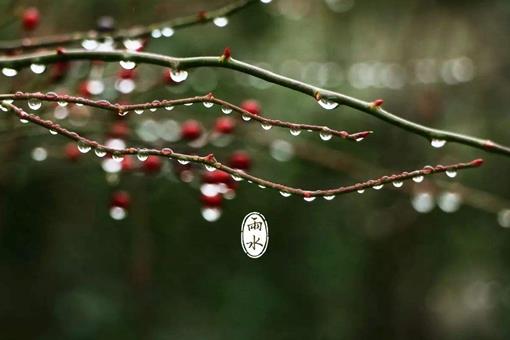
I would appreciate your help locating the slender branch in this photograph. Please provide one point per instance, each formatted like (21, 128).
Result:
(209, 98)
(136, 32)
(317, 93)
(211, 162)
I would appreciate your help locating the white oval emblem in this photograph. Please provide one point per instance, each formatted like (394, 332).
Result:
(254, 235)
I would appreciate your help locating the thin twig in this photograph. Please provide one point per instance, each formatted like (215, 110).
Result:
(136, 32)
(372, 108)
(211, 162)
(209, 98)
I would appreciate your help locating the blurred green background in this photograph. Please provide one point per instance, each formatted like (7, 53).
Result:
(427, 262)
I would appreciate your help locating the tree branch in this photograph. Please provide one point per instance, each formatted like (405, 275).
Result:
(210, 162)
(124, 109)
(317, 93)
(136, 32)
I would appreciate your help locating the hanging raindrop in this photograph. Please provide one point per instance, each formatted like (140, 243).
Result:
(127, 65)
(139, 111)
(83, 147)
(295, 132)
(220, 21)
(285, 193)
(325, 136)
(418, 179)
(34, 104)
(329, 197)
(188, 104)
(142, 155)
(398, 184)
(62, 103)
(169, 108)
(451, 173)
(327, 104)
(118, 157)
(437, 143)
(210, 167)
(208, 104)
(246, 118)
(38, 68)
(178, 76)
(9, 72)
(100, 152)
(183, 161)
(236, 178)
(226, 110)
(53, 132)
(309, 199)
(266, 126)
(360, 191)
(378, 187)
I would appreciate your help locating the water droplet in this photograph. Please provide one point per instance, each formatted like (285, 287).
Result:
(359, 139)
(53, 132)
(398, 184)
(188, 104)
(156, 33)
(266, 1)
(423, 202)
(118, 213)
(285, 193)
(118, 157)
(451, 173)
(142, 155)
(34, 104)
(418, 179)
(127, 65)
(178, 76)
(449, 202)
(132, 44)
(437, 143)
(211, 214)
(89, 44)
(246, 118)
(360, 191)
(183, 161)
(325, 136)
(62, 103)
(210, 167)
(95, 87)
(9, 101)
(38, 68)
(153, 109)
(262, 186)
(310, 198)
(236, 178)
(83, 147)
(139, 111)
(226, 110)
(169, 108)
(327, 104)
(208, 104)
(100, 152)
(329, 197)
(266, 126)
(24, 121)
(378, 187)
(220, 21)
(295, 132)
(167, 32)
(123, 113)
(9, 72)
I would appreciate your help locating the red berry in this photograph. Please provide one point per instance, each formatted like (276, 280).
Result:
(121, 199)
(83, 89)
(30, 18)
(191, 130)
(59, 70)
(119, 129)
(240, 160)
(225, 125)
(127, 74)
(127, 163)
(216, 177)
(212, 201)
(152, 164)
(227, 53)
(252, 106)
(71, 151)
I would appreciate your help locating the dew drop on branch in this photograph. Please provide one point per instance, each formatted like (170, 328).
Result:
(236, 178)
(9, 72)
(285, 193)
(89, 44)
(208, 104)
(327, 104)
(34, 104)
(325, 136)
(142, 155)
(310, 198)
(295, 132)
(220, 21)
(83, 147)
(246, 118)
(118, 213)
(451, 173)
(418, 179)
(178, 75)
(169, 108)
(226, 110)
(209, 168)
(53, 132)
(62, 103)
(139, 111)
(188, 104)
(167, 32)
(266, 126)
(211, 214)
(127, 65)
(329, 197)
(360, 191)
(100, 152)
(183, 161)
(437, 143)
(118, 157)
(378, 187)
(398, 184)
(37, 68)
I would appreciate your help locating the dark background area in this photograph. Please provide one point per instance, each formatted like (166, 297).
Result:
(427, 262)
